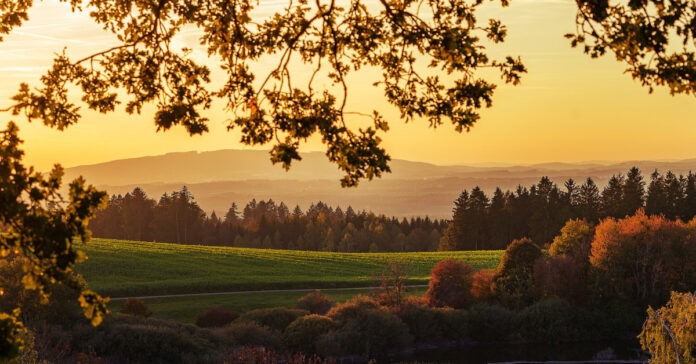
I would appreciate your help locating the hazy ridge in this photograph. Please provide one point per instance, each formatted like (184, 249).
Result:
(219, 178)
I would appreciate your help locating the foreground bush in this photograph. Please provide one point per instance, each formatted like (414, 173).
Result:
(450, 284)
(249, 333)
(135, 307)
(514, 279)
(423, 321)
(315, 302)
(303, 333)
(669, 334)
(490, 323)
(551, 321)
(127, 339)
(364, 329)
(215, 317)
(277, 318)
(561, 277)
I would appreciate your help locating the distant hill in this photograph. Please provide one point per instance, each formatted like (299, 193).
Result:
(219, 178)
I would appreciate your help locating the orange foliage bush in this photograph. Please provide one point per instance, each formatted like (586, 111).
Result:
(450, 284)
(642, 258)
(482, 285)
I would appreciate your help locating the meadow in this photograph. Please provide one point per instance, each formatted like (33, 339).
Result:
(130, 268)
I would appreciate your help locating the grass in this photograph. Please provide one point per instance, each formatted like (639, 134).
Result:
(130, 268)
(185, 309)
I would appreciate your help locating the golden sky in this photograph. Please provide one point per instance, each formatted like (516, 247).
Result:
(569, 107)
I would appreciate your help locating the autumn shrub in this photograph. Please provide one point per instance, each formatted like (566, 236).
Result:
(215, 317)
(250, 333)
(315, 302)
(450, 284)
(277, 318)
(303, 333)
(551, 321)
(482, 285)
(488, 323)
(669, 333)
(562, 277)
(365, 328)
(514, 279)
(574, 240)
(640, 259)
(135, 307)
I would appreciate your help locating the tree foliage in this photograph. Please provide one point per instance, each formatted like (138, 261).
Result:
(333, 40)
(450, 284)
(177, 218)
(654, 38)
(37, 223)
(669, 333)
(641, 258)
(514, 278)
(541, 210)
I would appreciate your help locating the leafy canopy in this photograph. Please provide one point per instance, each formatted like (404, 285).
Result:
(37, 223)
(655, 38)
(334, 39)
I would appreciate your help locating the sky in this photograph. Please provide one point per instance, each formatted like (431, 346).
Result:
(569, 107)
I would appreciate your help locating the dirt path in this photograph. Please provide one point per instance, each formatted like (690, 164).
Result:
(250, 292)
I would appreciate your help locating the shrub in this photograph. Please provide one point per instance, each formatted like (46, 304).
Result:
(315, 302)
(453, 323)
(482, 285)
(215, 317)
(364, 329)
(277, 318)
(669, 333)
(562, 277)
(423, 321)
(574, 241)
(124, 339)
(514, 280)
(450, 284)
(303, 333)
(249, 333)
(551, 321)
(135, 307)
(490, 323)
(352, 308)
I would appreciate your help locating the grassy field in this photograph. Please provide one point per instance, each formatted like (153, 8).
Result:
(128, 268)
(185, 309)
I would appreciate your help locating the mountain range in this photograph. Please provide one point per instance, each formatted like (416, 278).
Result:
(218, 178)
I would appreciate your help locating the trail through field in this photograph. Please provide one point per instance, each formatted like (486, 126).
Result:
(258, 291)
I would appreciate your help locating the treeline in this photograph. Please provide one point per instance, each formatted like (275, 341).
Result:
(539, 212)
(177, 218)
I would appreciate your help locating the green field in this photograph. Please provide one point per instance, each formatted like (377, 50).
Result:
(128, 268)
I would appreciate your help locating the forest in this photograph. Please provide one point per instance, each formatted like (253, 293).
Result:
(478, 223)
(177, 218)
